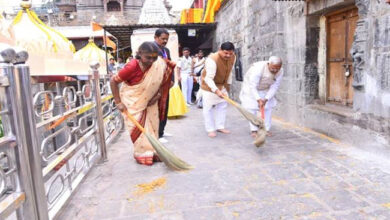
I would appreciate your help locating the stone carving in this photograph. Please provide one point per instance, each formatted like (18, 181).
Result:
(363, 6)
(357, 50)
(296, 11)
(358, 66)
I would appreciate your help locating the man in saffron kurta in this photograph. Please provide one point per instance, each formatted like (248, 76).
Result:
(216, 80)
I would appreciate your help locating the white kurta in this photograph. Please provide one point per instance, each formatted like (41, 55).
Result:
(211, 69)
(214, 107)
(187, 81)
(198, 64)
(260, 83)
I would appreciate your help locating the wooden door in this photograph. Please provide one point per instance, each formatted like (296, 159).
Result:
(340, 31)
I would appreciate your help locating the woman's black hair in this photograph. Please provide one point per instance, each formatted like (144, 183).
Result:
(147, 47)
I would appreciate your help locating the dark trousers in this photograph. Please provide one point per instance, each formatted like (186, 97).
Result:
(163, 122)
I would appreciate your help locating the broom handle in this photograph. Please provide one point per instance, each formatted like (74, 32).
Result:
(135, 122)
(230, 101)
(235, 104)
(262, 113)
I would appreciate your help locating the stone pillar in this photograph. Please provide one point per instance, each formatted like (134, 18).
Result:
(359, 44)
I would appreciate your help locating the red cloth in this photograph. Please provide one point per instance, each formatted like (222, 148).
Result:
(165, 86)
(131, 73)
(46, 79)
(136, 132)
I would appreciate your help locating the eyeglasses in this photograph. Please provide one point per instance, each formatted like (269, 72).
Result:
(151, 57)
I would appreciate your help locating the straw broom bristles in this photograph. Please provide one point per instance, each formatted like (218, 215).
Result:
(164, 154)
(261, 133)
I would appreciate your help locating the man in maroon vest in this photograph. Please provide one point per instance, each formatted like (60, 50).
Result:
(216, 80)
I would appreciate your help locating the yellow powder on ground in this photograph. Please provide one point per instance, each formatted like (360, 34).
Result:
(307, 195)
(146, 188)
(387, 205)
(227, 203)
(236, 214)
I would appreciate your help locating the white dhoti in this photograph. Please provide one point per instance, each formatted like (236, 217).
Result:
(214, 111)
(187, 82)
(252, 106)
(214, 107)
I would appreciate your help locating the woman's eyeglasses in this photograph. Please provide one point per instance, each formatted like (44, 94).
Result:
(151, 57)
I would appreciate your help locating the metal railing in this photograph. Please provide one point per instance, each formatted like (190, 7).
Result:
(54, 133)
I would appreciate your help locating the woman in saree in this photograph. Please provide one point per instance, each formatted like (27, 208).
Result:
(143, 82)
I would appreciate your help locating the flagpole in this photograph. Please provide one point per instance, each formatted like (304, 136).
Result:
(117, 50)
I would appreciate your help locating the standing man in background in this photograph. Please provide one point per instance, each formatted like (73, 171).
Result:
(161, 37)
(185, 75)
(216, 81)
(111, 66)
(197, 66)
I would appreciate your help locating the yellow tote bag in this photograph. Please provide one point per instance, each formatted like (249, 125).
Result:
(177, 104)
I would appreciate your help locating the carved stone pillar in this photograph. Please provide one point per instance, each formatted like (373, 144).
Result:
(358, 50)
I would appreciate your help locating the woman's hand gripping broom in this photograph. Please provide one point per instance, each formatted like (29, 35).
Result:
(164, 154)
(261, 133)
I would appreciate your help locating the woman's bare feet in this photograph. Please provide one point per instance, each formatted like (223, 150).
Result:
(145, 158)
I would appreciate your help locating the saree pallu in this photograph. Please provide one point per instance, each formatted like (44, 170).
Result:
(136, 99)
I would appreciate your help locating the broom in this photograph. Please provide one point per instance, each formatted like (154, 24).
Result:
(164, 154)
(261, 133)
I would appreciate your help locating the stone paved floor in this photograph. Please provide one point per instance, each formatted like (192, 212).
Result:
(297, 175)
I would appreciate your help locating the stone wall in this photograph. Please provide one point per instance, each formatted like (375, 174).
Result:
(297, 34)
(260, 29)
(372, 59)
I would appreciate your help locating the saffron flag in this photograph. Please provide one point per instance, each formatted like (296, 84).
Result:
(109, 43)
(212, 7)
(96, 26)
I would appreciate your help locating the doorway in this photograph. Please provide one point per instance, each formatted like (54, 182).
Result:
(341, 27)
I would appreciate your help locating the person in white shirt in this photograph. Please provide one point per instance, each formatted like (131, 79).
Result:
(185, 75)
(197, 67)
(198, 63)
(216, 79)
(261, 82)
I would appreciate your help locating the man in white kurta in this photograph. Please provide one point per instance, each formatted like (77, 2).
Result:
(185, 75)
(216, 80)
(198, 66)
(260, 85)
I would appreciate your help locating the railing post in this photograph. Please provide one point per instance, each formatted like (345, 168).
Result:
(99, 111)
(29, 210)
(25, 124)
